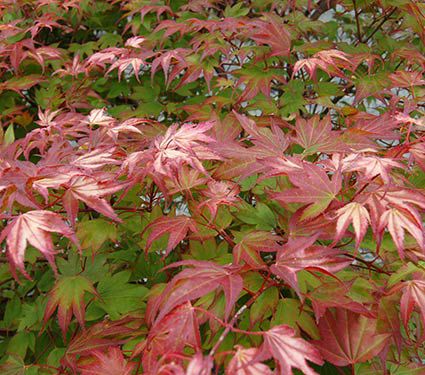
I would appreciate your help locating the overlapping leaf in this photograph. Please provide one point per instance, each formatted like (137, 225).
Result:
(171, 333)
(192, 283)
(301, 254)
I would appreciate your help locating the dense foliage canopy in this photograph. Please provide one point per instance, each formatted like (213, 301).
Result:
(212, 187)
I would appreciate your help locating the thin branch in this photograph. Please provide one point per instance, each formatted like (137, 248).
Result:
(230, 326)
(370, 266)
(385, 19)
(356, 12)
(227, 329)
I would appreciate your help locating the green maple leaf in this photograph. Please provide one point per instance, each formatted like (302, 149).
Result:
(94, 233)
(118, 296)
(68, 297)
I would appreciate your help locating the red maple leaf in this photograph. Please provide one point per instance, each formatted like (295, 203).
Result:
(413, 295)
(200, 365)
(356, 214)
(166, 59)
(300, 254)
(192, 283)
(124, 63)
(335, 294)
(176, 227)
(170, 334)
(91, 192)
(374, 127)
(401, 78)
(394, 208)
(220, 193)
(271, 32)
(184, 145)
(249, 248)
(348, 338)
(267, 142)
(330, 61)
(399, 220)
(99, 117)
(289, 351)
(98, 337)
(371, 166)
(389, 320)
(312, 186)
(111, 362)
(33, 227)
(244, 363)
(15, 178)
(96, 159)
(158, 9)
(418, 152)
(316, 135)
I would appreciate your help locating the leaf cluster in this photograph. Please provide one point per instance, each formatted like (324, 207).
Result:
(212, 187)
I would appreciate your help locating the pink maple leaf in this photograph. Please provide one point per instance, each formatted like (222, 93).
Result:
(300, 254)
(288, 351)
(34, 228)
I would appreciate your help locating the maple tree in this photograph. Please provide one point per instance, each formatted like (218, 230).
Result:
(212, 187)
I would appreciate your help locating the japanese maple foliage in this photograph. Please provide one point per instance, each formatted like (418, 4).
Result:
(212, 187)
